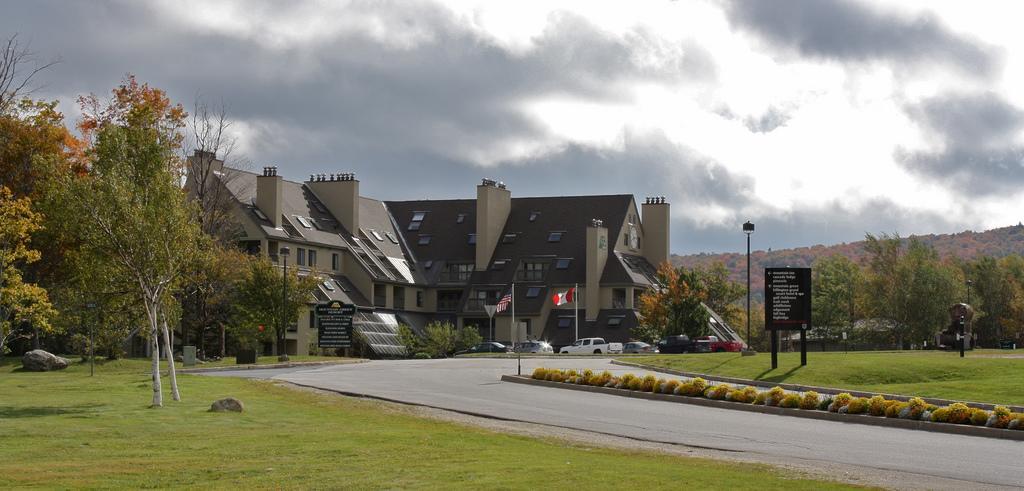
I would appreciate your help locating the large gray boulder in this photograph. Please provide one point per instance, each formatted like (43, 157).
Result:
(227, 404)
(39, 360)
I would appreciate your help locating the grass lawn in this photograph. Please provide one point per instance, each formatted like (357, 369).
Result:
(920, 373)
(229, 361)
(68, 430)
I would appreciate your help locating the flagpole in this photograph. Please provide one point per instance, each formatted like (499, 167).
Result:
(576, 308)
(519, 352)
(512, 328)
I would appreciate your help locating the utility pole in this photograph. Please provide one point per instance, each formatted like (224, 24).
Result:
(748, 228)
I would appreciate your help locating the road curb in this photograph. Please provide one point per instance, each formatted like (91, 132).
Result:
(979, 431)
(804, 388)
(267, 367)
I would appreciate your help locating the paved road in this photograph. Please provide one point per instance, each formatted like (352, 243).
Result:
(472, 385)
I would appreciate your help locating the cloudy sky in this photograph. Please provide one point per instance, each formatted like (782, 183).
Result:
(818, 120)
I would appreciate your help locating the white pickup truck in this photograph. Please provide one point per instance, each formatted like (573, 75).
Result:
(592, 345)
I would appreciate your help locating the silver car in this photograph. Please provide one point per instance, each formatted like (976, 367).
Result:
(638, 347)
(534, 347)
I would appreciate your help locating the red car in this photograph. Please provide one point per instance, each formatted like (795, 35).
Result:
(711, 344)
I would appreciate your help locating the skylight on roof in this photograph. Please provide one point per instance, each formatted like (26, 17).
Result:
(616, 320)
(555, 236)
(508, 238)
(499, 264)
(562, 263)
(424, 239)
(391, 237)
(303, 221)
(533, 292)
(376, 235)
(329, 286)
(461, 217)
(534, 215)
(429, 264)
(414, 226)
(418, 216)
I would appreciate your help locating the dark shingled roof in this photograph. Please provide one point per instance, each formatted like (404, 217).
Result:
(562, 336)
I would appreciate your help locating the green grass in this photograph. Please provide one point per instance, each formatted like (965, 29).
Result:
(229, 361)
(979, 377)
(68, 430)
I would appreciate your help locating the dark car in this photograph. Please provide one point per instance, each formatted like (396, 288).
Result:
(488, 347)
(637, 347)
(677, 344)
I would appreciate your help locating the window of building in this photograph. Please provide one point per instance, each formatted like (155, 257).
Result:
(562, 263)
(508, 238)
(625, 239)
(637, 292)
(457, 272)
(328, 285)
(391, 237)
(533, 292)
(564, 321)
(414, 226)
(555, 236)
(618, 298)
(399, 294)
(300, 257)
(419, 298)
(424, 239)
(380, 295)
(335, 261)
(480, 298)
(418, 216)
(448, 300)
(312, 319)
(312, 258)
(461, 217)
(472, 239)
(534, 215)
(376, 235)
(532, 270)
(616, 320)
(303, 221)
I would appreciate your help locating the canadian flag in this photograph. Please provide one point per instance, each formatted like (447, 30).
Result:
(564, 297)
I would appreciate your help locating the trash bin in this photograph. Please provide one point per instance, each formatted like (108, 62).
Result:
(245, 356)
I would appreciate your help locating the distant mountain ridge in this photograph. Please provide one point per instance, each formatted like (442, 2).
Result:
(997, 242)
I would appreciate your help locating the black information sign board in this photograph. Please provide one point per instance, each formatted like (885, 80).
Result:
(334, 324)
(787, 306)
(787, 298)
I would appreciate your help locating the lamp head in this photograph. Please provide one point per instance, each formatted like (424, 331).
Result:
(748, 228)
(284, 251)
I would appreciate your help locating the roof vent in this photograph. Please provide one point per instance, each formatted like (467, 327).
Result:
(596, 223)
(269, 171)
(488, 182)
(655, 200)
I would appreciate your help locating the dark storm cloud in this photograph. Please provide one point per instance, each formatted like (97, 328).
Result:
(848, 31)
(980, 135)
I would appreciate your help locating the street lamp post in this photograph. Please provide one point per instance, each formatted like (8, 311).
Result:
(282, 355)
(969, 283)
(748, 228)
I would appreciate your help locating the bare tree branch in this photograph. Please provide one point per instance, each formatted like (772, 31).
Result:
(18, 66)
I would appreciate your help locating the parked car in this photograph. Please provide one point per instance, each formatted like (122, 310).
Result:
(711, 344)
(677, 344)
(488, 347)
(592, 345)
(533, 347)
(638, 347)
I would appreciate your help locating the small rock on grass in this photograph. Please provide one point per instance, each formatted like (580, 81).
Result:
(227, 404)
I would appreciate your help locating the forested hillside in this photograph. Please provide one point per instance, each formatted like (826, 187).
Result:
(964, 245)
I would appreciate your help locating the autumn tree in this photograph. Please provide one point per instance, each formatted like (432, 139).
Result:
(723, 294)
(135, 220)
(674, 308)
(264, 300)
(22, 304)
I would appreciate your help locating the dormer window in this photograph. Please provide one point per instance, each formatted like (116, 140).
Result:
(563, 263)
(472, 239)
(417, 220)
(424, 239)
(461, 217)
(508, 238)
(304, 221)
(555, 236)
(534, 215)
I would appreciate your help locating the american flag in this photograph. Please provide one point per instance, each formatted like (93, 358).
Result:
(503, 303)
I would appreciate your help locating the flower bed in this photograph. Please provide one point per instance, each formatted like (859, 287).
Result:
(878, 406)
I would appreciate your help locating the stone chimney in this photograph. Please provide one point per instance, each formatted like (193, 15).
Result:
(656, 219)
(493, 204)
(339, 192)
(597, 256)
(269, 195)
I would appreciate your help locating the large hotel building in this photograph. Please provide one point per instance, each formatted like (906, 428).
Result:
(414, 262)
